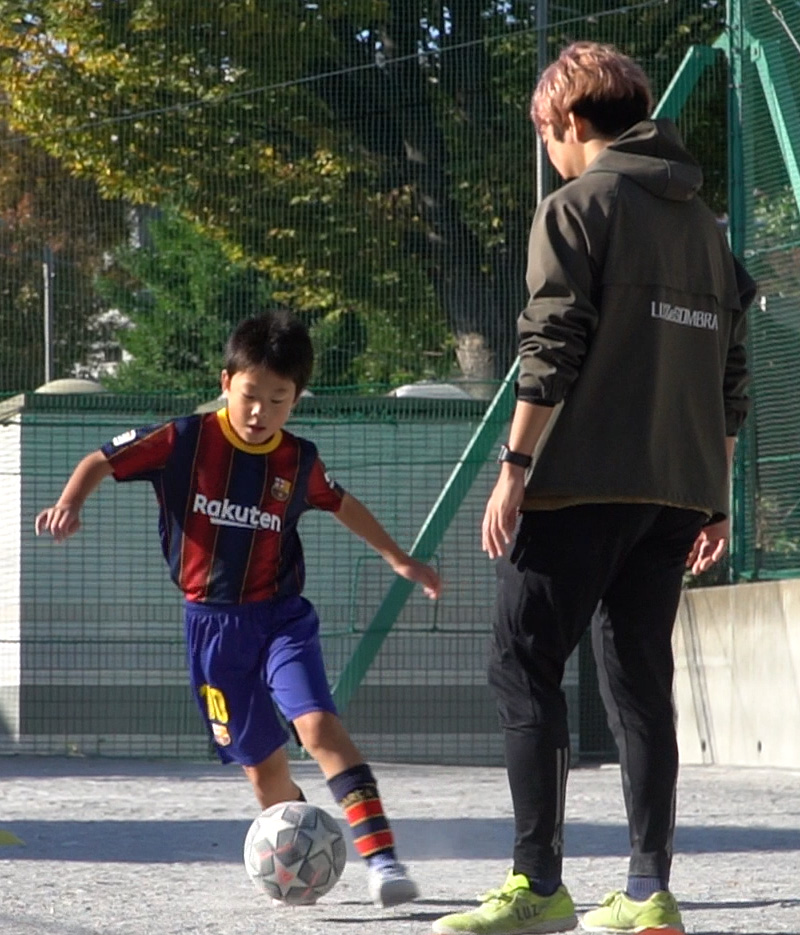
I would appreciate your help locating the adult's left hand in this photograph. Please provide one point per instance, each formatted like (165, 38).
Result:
(709, 546)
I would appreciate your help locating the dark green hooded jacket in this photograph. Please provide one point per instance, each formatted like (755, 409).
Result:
(635, 332)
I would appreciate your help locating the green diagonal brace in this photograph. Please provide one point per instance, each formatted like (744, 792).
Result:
(695, 62)
(783, 107)
(430, 535)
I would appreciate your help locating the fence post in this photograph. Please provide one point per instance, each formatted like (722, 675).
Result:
(736, 231)
(47, 310)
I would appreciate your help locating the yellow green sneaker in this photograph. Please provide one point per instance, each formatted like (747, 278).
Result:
(513, 910)
(619, 913)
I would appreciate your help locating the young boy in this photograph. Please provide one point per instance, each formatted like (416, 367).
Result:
(632, 387)
(231, 487)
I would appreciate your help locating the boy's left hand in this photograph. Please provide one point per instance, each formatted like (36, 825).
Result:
(420, 573)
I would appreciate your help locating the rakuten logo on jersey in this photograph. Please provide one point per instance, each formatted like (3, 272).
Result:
(225, 513)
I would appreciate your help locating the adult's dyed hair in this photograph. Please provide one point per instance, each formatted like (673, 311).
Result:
(596, 82)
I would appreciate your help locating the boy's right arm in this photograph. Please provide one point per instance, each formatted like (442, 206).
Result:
(358, 519)
(62, 520)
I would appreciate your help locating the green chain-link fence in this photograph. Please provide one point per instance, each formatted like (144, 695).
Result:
(170, 166)
(766, 40)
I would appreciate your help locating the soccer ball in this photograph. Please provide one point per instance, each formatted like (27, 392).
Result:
(294, 852)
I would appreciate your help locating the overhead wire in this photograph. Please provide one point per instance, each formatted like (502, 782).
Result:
(318, 76)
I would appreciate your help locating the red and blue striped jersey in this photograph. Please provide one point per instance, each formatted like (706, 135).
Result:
(228, 511)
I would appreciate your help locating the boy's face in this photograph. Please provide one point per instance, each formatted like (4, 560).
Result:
(259, 402)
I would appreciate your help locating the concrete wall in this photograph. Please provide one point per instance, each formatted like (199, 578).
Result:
(10, 559)
(738, 675)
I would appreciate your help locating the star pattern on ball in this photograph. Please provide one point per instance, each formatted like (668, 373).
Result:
(295, 852)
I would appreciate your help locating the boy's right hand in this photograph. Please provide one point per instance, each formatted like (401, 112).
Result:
(60, 521)
(419, 573)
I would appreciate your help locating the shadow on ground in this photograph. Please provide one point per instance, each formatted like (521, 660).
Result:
(218, 840)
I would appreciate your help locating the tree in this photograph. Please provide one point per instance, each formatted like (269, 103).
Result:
(51, 224)
(371, 157)
(180, 297)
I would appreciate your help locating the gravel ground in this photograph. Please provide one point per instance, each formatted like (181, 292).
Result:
(126, 847)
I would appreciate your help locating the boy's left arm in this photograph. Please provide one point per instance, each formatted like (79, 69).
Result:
(359, 520)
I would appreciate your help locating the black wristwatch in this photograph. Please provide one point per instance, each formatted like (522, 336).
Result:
(514, 457)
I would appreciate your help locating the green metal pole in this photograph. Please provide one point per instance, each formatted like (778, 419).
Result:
(737, 43)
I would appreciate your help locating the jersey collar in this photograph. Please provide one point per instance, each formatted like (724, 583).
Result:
(263, 449)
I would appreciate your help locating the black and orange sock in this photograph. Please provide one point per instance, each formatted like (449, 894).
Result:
(356, 791)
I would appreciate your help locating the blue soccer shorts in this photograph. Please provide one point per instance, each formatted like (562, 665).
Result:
(247, 659)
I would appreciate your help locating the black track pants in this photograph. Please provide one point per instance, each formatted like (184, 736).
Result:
(619, 568)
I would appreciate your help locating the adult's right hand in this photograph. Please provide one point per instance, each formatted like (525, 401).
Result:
(500, 517)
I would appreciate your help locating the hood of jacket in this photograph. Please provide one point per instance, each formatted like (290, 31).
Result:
(651, 153)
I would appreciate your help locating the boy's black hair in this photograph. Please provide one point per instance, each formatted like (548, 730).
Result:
(276, 340)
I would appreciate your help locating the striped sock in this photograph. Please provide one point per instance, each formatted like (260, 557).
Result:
(356, 792)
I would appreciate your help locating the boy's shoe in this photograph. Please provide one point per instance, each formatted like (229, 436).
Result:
(389, 885)
(619, 913)
(513, 910)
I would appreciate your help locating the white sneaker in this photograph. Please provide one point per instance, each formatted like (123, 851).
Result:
(389, 885)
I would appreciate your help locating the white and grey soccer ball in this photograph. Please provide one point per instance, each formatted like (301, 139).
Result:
(295, 852)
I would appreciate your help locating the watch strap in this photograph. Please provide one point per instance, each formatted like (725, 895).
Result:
(514, 457)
